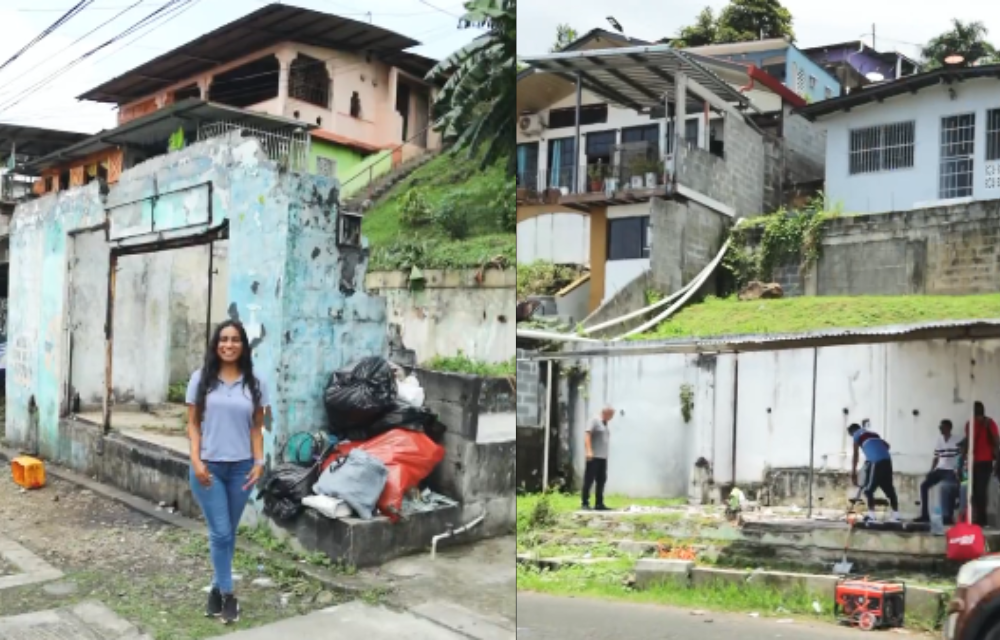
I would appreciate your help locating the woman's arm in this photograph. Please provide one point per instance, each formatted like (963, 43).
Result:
(194, 432)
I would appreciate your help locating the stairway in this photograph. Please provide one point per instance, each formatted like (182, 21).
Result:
(368, 196)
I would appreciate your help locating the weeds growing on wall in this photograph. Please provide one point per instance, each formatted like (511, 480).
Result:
(687, 402)
(543, 278)
(462, 363)
(760, 245)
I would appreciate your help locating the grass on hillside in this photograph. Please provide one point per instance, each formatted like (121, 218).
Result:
(395, 245)
(718, 317)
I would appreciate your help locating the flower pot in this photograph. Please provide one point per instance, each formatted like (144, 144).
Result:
(595, 185)
(637, 182)
(651, 180)
(610, 185)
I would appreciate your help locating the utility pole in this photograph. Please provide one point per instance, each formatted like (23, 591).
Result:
(873, 37)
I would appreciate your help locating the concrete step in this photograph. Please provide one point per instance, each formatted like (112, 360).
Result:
(465, 621)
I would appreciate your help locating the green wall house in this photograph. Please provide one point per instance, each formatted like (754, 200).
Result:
(336, 156)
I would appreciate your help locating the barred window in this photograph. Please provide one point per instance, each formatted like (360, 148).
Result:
(993, 134)
(886, 147)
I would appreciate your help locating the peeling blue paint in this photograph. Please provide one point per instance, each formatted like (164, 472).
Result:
(287, 277)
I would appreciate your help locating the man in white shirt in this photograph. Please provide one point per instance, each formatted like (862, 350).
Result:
(946, 456)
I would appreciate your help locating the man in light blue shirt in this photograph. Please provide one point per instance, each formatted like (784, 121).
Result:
(878, 469)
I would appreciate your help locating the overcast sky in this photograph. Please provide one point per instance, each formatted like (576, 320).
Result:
(54, 106)
(899, 25)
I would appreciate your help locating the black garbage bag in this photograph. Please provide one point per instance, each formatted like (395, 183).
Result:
(357, 397)
(283, 488)
(404, 415)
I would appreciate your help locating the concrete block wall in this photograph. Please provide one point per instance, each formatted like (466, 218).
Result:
(943, 250)
(805, 148)
(529, 397)
(686, 236)
(737, 180)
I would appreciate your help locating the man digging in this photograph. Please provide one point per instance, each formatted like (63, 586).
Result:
(596, 444)
(878, 469)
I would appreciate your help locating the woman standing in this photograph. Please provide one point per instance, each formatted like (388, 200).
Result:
(226, 404)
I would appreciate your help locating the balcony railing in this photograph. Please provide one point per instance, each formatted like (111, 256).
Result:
(594, 178)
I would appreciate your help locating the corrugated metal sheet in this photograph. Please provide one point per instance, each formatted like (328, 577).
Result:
(636, 77)
(985, 329)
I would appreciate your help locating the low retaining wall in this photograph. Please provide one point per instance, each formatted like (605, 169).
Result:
(923, 602)
(454, 310)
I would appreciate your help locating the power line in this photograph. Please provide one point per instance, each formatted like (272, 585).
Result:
(66, 17)
(436, 8)
(172, 7)
(78, 40)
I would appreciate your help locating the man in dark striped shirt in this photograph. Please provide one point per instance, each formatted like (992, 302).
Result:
(946, 455)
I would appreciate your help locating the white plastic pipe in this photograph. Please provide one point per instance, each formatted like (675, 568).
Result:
(450, 534)
(695, 286)
(548, 427)
(634, 314)
(548, 335)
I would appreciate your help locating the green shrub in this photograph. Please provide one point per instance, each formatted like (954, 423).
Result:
(415, 212)
(453, 217)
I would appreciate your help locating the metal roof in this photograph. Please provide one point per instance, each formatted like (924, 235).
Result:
(34, 142)
(259, 30)
(987, 329)
(156, 128)
(905, 85)
(636, 77)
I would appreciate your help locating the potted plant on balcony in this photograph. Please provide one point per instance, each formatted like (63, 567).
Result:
(654, 173)
(596, 173)
(637, 169)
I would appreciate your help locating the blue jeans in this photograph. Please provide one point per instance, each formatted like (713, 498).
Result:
(223, 503)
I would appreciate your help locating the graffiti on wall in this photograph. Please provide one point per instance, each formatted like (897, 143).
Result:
(20, 360)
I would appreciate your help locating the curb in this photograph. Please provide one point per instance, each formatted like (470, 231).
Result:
(328, 580)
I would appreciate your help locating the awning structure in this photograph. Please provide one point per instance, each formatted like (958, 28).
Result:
(154, 129)
(639, 78)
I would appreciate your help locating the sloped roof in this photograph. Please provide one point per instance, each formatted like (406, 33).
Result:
(261, 29)
(34, 142)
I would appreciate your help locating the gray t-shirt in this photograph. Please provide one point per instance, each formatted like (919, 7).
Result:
(600, 436)
(225, 427)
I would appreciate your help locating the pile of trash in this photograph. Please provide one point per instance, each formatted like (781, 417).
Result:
(380, 444)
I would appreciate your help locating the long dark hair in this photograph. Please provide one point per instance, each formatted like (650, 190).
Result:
(210, 370)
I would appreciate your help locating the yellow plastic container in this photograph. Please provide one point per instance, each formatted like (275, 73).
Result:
(28, 472)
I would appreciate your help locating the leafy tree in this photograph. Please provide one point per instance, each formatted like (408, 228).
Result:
(477, 105)
(739, 21)
(967, 39)
(702, 32)
(565, 35)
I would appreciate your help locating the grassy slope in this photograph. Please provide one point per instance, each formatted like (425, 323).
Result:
(394, 245)
(715, 317)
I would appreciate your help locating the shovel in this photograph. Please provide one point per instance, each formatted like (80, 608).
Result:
(843, 568)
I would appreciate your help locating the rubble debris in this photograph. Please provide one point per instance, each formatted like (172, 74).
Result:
(761, 291)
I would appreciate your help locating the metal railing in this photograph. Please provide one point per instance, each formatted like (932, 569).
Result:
(290, 149)
(379, 160)
(594, 178)
(315, 94)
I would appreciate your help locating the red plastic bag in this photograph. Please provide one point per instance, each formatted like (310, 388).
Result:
(965, 543)
(409, 456)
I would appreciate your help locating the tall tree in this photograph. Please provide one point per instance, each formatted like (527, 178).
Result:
(739, 21)
(967, 39)
(702, 32)
(477, 105)
(565, 34)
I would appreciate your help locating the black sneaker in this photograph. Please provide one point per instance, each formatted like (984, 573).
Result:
(214, 607)
(230, 609)
(584, 507)
(601, 507)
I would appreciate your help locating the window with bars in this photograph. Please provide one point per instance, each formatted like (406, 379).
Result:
(958, 148)
(628, 238)
(993, 135)
(887, 147)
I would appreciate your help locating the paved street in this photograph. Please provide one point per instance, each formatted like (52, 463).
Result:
(549, 618)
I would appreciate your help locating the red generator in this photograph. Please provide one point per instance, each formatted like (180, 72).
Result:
(870, 604)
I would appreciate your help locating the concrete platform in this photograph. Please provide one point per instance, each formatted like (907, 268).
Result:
(30, 568)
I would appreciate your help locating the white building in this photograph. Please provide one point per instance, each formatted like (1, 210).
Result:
(927, 140)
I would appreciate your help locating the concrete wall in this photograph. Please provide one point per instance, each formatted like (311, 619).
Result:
(805, 148)
(915, 187)
(905, 389)
(452, 313)
(299, 294)
(738, 179)
(685, 238)
(562, 238)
